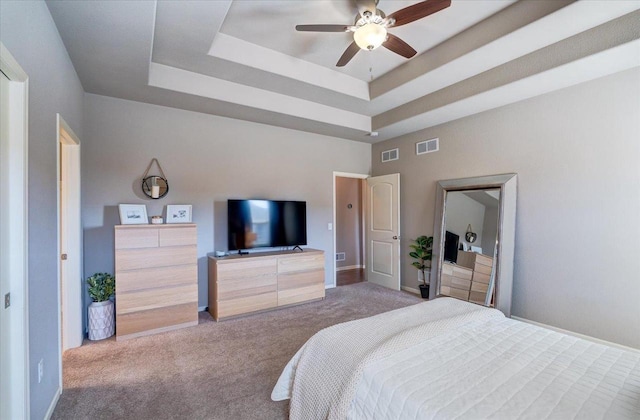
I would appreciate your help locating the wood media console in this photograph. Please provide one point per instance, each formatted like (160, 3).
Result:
(241, 284)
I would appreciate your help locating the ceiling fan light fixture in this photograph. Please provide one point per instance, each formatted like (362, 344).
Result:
(370, 36)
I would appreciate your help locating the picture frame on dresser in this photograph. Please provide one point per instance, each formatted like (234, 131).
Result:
(179, 213)
(133, 214)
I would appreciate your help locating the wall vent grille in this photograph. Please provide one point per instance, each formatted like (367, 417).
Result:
(427, 146)
(389, 155)
(340, 256)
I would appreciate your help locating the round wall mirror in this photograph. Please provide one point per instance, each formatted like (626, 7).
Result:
(155, 187)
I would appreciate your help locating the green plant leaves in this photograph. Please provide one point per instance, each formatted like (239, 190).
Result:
(422, 252)
(101, 286)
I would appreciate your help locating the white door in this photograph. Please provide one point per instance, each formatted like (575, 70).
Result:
(70, 237)
(5, 313)
(383, 230)
(14, 370)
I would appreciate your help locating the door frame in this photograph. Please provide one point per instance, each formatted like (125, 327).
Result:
(69, 293)
(19, 234)
(333, 256)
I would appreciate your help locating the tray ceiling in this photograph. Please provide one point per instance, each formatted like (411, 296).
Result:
(244, 59)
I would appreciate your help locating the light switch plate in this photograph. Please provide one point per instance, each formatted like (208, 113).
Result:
(330, 226)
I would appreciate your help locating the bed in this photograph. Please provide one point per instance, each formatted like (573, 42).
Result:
(447, 359)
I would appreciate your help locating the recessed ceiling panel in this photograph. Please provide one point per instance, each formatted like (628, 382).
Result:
(271, 24)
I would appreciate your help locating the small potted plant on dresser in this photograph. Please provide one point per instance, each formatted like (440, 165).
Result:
(101, 313)
(422, 253)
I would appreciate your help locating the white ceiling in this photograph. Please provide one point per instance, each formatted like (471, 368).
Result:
(243, 59)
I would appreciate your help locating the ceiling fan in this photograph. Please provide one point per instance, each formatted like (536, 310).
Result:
(370, 27)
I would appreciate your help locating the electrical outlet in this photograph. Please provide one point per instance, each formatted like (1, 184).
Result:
(40, 370)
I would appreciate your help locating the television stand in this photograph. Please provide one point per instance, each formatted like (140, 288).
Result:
(297, 246)
(264, 280)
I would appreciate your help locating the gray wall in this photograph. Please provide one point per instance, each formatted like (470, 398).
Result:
(489, 230)
(463, 211)
(576, 153)
(29, 33)
(349, 221)
(207, 160)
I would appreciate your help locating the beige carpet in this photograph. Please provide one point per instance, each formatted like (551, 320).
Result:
(223, 370)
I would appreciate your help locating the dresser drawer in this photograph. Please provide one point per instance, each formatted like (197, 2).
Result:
(300, 262)
(296, 280)
(456, 282)
(453, 292)
(447, 269)
(156, 319)
(178, 236)
(479, 287)
(135, 259)
(477, 297)
(234, 269)
(484, 260)
(234, 289)
(484, 269)
(300, 294)
(462, 273)
(132, 238)
(147, 278)
(243, 305)
(142, 300)
(480, 277)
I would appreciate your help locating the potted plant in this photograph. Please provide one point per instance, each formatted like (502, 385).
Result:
(422, 253)
(101, 287)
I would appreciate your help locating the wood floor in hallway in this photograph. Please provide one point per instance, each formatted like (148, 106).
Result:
(346, 277)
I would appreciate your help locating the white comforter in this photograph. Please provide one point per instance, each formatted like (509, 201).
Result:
(451, 359)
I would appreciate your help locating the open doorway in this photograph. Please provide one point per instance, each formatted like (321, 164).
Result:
(349, 228)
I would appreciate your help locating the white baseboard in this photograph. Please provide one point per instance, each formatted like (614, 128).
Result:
(202, 308)
(329, 286)
(410, 290)
(575, 334)
(349, 267)
(53, 404)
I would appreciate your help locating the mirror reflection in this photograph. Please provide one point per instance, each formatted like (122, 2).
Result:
(471, 230)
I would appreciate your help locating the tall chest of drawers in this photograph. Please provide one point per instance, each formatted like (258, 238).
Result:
(156, 278)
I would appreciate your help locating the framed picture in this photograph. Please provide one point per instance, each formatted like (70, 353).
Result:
(179, 213)
(133, 214)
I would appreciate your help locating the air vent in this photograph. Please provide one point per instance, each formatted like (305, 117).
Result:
(389, 155)
(427, 146)
(340, 256)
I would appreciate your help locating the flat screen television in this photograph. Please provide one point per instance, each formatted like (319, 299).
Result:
(266, 224)
(451, 241)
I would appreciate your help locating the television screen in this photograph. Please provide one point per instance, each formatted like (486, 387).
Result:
(451, 241)
(266, 223)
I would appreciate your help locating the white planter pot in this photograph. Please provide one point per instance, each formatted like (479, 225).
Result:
(101, 324)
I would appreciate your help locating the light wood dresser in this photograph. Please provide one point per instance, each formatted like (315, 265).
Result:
(481, 266)
(469, 278)
(456, 281)
(156, 278)
(241, 284)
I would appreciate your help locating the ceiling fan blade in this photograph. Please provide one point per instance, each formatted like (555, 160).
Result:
(398, 46)
(348, 54)
(418, 11)
(322, 28)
